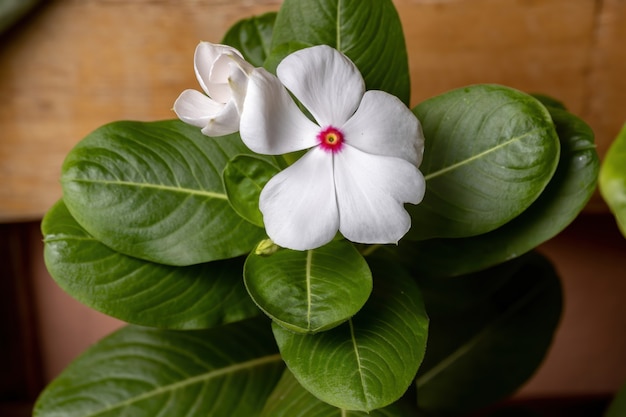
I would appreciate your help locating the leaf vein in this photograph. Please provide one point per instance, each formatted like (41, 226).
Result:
(479, 155)
(205, 377)
(189, 191)
(358, 361)
(461, 350)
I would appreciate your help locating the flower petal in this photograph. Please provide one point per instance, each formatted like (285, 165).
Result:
(371, 191)
(225, 122)
(238, 79)
(325, 81)
(299, 205)
(195, 108)
(215, 119)
(383, 125)
(271, 123)
(213, 76)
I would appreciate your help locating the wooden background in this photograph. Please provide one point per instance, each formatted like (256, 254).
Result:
(77, 64)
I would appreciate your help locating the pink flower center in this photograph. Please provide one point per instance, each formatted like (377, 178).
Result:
(331, 139)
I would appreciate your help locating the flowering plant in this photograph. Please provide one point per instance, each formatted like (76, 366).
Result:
(302, 243)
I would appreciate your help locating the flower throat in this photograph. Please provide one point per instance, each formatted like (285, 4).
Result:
(331, 139)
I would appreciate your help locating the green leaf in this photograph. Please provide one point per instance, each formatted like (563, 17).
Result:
(154, 191)
(368, 32)
(562, 200)
(252, 37)
(489, 332)
(617, 408)
(227, 371)
(309, 291)
(280, 52)
(142, 292)
(549, 101)
(244, 178)
(490, 151)
(290, 399)
(371, 360)
(613, 179)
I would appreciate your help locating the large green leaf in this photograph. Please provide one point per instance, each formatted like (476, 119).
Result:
(136, 372)
(490, 151)
(371, 360)
(368, 32)
(309, 291)
(489, 332)
(613, 179)
(562, 200)
(252, 37)
(290, 399)
(154, 191)
(142, 292)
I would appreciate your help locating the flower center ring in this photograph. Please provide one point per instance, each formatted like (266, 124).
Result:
(331, 139)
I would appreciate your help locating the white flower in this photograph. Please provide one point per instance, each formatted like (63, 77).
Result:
(222, 74)
(361, 167)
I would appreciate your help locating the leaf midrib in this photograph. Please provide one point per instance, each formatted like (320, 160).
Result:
(480, 155)
(466, 347)
(357, 355)
(309, 262)
(190, 381)
(161, 187)
(338, 20)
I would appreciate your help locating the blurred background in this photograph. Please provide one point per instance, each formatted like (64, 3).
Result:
(69, 66)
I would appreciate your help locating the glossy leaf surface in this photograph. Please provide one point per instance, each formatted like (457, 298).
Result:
(290, 399)
(154, 191)
(142, 292)
(309, 291)
(369, 33)
(370, 361)
(244, 178)
(252, 37)
(227, 371)
(613, 179)
(565, 196)
(490, 151)
(489, 332)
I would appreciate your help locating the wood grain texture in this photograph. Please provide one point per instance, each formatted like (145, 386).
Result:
(606, 87)
(77, 64)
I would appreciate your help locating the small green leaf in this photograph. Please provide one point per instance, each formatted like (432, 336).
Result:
(142, 292)
(562, 200)
(226, 371)
(489, 332)
(154, 191)
(613, 179)
(252, 37)
(244, 178)
(370, 361)
(290, 399)
(368, 32)
(309, 291)
(549, 101)
(490, 152)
